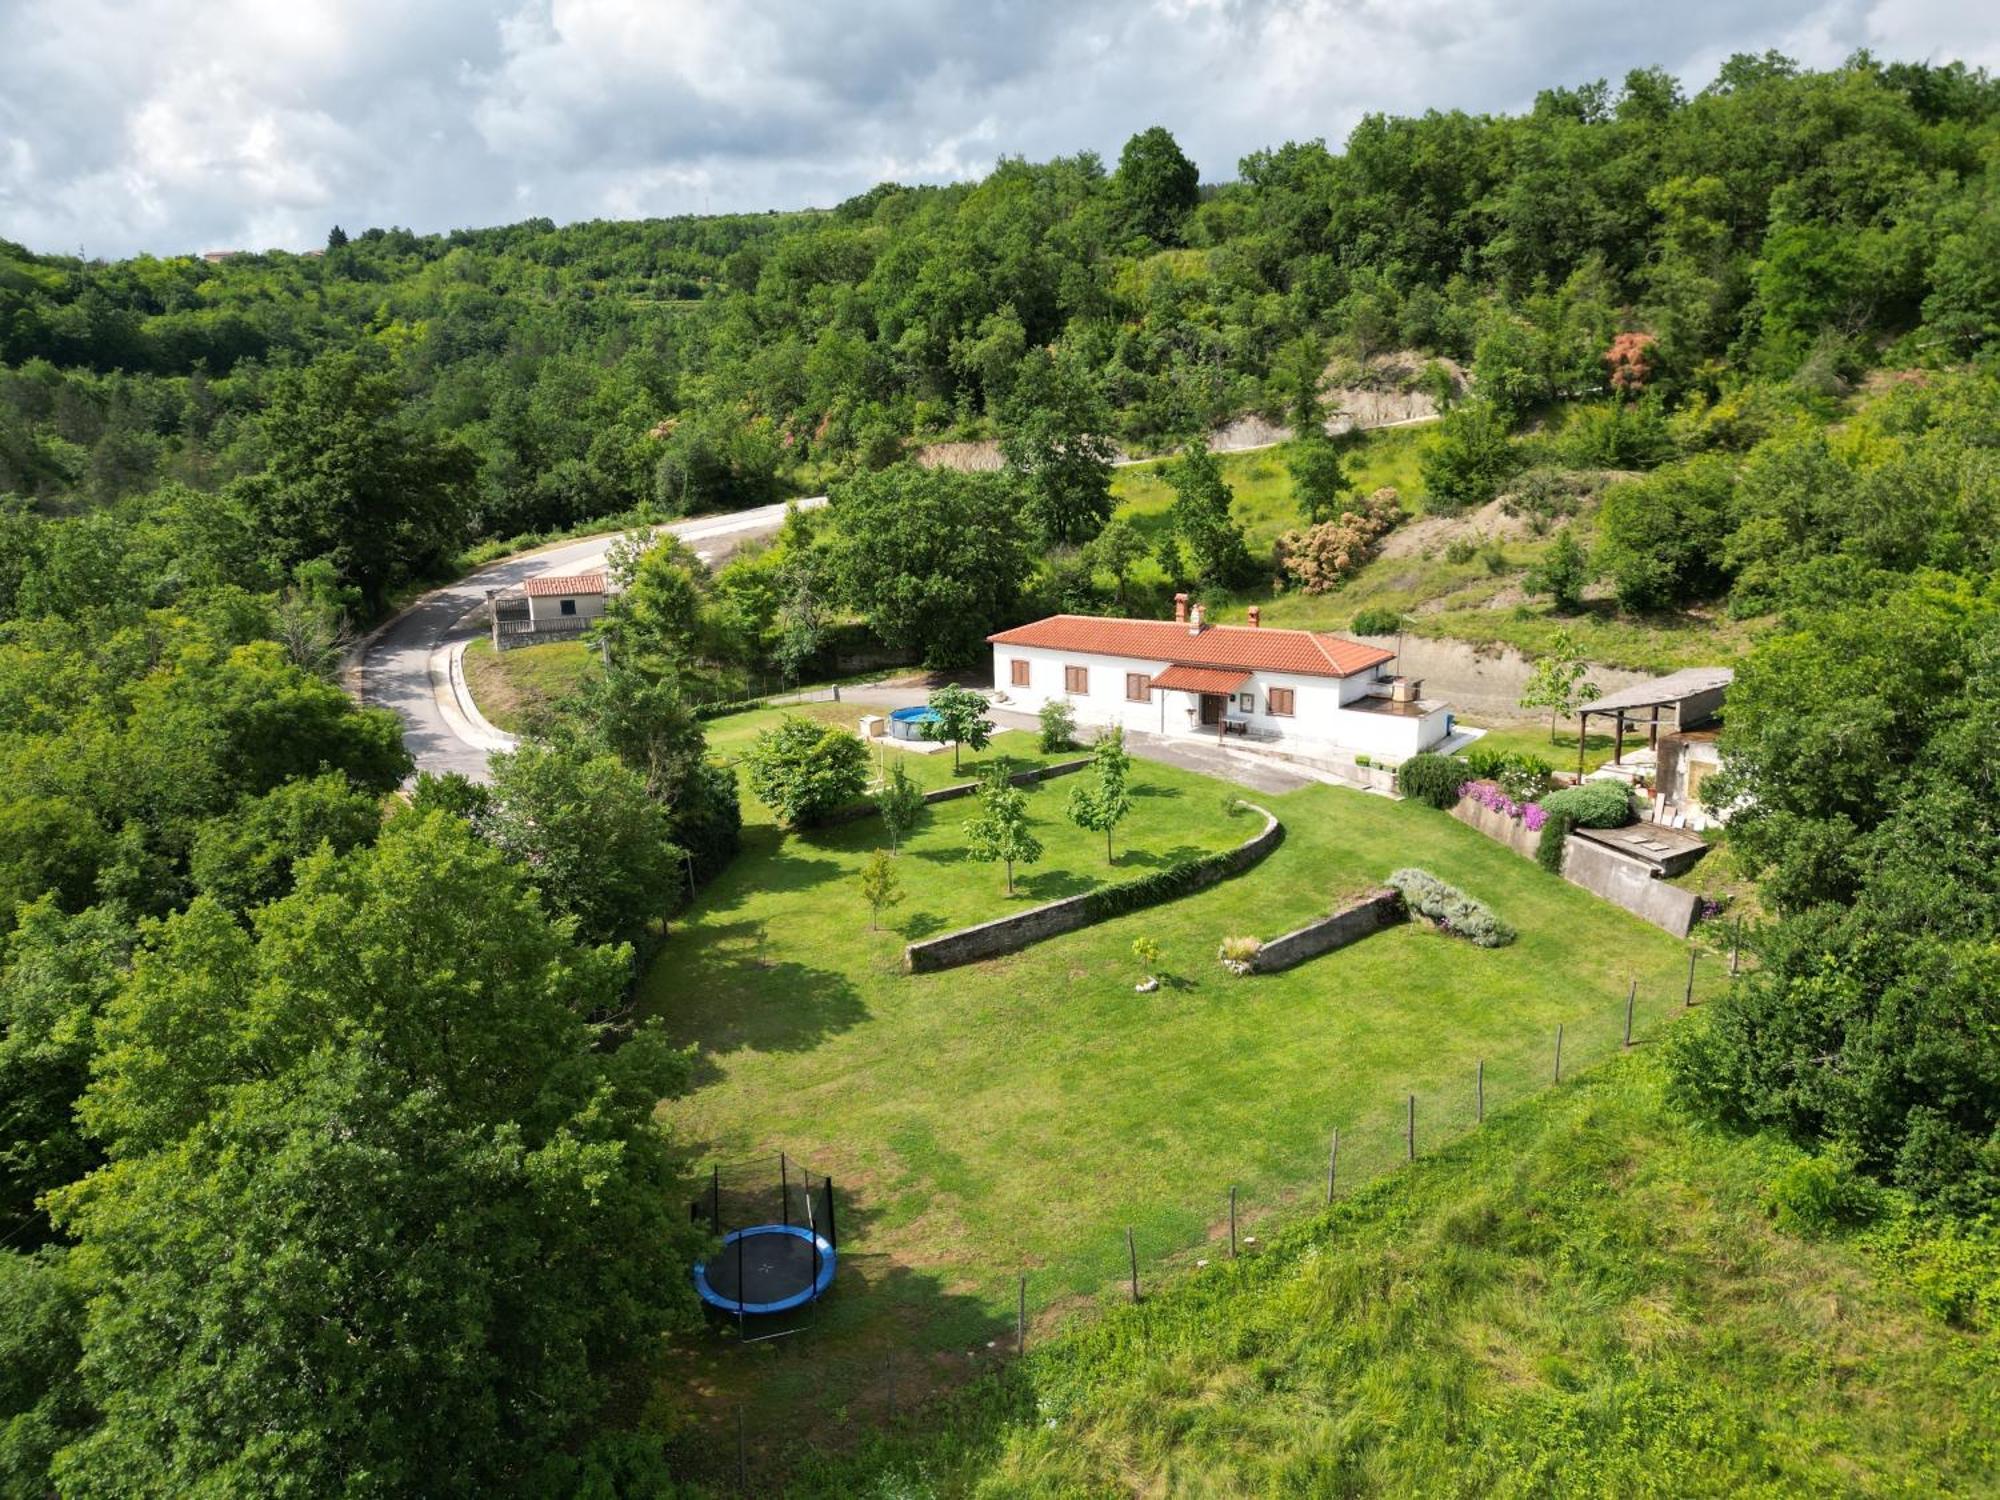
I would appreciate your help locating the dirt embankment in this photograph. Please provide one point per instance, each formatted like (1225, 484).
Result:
(1385, 391)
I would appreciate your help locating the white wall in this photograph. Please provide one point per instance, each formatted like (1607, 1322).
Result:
(1317, 719)
(546, 609)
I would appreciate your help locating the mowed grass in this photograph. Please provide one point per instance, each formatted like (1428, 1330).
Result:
(1015, 1117)
(1586, 1297)
(509, 685)
(1533, 739)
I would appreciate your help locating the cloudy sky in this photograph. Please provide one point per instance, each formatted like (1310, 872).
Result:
(178, 125)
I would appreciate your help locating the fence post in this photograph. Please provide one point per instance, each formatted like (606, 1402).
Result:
(1332, 1165)
(1132, 1255)
(1479, 1090)
(1021, 1318)
(1559, 1052)
(1631, 998)
(1735, 940)
(1410, 1130)
(1232, 1221)
(1687, 996)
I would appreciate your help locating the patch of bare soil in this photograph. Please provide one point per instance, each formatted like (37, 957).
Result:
(1431, 534)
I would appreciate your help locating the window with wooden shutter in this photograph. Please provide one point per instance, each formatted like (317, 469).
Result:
(1076, 680)
(1020, 672)
(1279, 702)
(1138, 686)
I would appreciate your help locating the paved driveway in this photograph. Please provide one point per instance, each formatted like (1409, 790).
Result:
(404, 665)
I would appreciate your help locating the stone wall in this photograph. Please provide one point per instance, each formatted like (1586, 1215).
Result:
(1497, 826)
(1010, 934)
(1354, 921)
(1629, 883)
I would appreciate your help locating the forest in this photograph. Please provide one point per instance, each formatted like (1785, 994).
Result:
(326, 1132)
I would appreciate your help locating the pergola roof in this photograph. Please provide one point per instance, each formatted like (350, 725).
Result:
(1658, 692)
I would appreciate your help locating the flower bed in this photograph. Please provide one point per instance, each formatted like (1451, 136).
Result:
(1488, 794)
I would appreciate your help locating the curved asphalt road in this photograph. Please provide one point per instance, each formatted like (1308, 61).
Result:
(407, 664)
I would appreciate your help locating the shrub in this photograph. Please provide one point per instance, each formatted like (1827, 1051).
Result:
(1450, 908)
(1821, 1194)
(1376, 621)
(1364, 761)
(1549, 851)
(1322, 556)
(1431, 778)
(1592, 804)
(1058, 721)
(1491, 794)
(1461, 549)
(1239, 954)
(802, 770)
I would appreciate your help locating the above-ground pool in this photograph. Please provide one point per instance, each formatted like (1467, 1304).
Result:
(767, 1268)
(911, 723)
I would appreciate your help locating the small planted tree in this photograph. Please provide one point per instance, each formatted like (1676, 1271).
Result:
(999, 831)
(1101, 804)
(802, 770)
(1560, 681)
(1058, 722)
(900, 802)
(881, 886)
(1146, 954)
(962, 719)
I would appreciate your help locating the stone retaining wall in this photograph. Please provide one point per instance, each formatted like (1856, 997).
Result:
(1010, 934)
(1354, 921)
(1605, 873)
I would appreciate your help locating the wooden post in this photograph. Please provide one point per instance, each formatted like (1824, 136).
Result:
(1559, 1052)
(1232, 1221)
(1479, 1090)
(1021, 1318)
(1631, 998)
(1735, 940)
(1582, 729)
(1132, 1255)
(1332, 1165)
(1687, 996)
(1410, 1130)
(1618, 738)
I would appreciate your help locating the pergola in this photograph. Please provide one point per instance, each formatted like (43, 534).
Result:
(1693, 693)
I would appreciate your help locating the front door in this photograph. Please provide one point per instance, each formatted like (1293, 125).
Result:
(1211, 708)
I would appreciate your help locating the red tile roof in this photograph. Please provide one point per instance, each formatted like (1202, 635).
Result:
(1202, 679)
(1248, 648)
(564, 583)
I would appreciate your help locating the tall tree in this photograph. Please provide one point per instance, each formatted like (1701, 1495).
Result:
(1055, 434)
(349, 478)
(1202, 517)
(1156, 186)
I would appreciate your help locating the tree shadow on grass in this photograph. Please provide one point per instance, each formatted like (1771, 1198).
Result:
(919, 925)
(1157, 859)
(1053, 885)
(721, 995)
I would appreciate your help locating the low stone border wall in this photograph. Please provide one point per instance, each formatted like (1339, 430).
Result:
(1354, 921)
(1627, 883)
(1010, 934)
(859, 810)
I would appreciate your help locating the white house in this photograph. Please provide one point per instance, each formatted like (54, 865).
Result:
(558, 601)
(1304, 691)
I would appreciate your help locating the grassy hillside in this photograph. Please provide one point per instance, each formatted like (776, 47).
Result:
(1588, 1297)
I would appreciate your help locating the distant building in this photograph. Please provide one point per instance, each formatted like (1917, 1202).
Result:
(217, 257)
(1303, 691)
(547, 608)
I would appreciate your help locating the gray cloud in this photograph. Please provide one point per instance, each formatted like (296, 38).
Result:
(177, 125)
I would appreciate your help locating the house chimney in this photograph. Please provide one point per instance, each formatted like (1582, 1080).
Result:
(1256, 617)
(1195, 622)
(1180, 609)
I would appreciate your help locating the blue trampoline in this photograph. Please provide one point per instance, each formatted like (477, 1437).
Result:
(911, 723)
(767, 1268)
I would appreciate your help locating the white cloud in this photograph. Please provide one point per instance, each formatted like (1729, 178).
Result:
(174, 125)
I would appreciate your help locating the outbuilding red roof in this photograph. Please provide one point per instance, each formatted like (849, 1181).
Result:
(1202, 679)
(565, 583)
(1247, 648)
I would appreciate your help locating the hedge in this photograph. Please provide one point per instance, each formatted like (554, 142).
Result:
(1592, 804)
(1432, 778)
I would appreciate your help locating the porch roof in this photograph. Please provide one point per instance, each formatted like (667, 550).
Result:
(1188, 679)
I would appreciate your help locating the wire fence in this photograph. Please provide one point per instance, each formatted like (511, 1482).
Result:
(1194, 1224)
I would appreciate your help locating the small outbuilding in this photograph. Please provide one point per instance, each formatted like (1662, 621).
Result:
(1680, 701)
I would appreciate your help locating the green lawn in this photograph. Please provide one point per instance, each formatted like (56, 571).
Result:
(507, 685)
(1533, 739)
(1586, 1298)
(1016, 1116)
